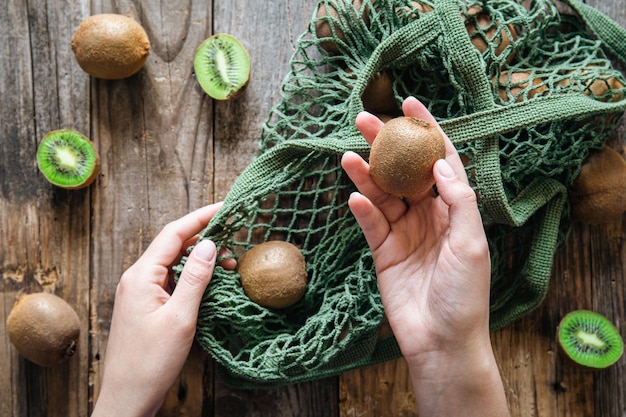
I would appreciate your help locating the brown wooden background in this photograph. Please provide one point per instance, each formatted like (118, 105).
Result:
(166, 149)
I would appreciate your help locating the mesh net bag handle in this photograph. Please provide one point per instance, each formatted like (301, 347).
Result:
(295, 190)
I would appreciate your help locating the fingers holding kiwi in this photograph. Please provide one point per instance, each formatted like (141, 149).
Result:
(369, 126)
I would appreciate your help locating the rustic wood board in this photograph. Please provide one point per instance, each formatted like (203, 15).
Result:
(166, 149)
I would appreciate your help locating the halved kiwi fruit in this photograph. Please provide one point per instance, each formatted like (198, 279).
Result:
(589, 339)
(68, 159)
(222, 66)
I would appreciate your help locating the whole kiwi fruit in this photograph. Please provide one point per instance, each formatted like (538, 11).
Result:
(483, 32)
(44, 328)
(598, 194)
(68, 159)
(378, 96)
(110, 46)
(334, 15)
(273, 274)
(518, 86)
(589, 339)
(403, 154)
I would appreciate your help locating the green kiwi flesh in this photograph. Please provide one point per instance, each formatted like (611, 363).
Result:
(67, 159)
(590, 339)
(222, 66)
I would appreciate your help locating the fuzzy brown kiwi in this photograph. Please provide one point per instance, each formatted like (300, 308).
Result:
(598, 194)
(331, 16)
(68, 159)
(518, 86)
(378, 96)
(44, 328)
(110, 46)
(403, 154)
(482, 32)
(273, 274)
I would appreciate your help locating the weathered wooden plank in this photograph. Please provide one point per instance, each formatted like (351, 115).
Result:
(380, 390)
(46, 231)
(166, 149)
(154, 132)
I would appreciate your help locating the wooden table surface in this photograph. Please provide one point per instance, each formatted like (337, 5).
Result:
(166, 148)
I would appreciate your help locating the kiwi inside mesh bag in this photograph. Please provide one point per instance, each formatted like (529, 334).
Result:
(523, 89)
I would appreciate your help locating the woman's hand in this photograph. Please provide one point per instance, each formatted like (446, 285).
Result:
(433, 267)
(153, 327)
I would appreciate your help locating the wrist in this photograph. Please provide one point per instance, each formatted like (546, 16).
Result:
(123, 403)
(452, 360)
(462, 381)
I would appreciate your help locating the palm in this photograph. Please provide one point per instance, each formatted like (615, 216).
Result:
(431, 275)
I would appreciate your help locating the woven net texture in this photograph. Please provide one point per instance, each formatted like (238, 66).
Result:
(523, 90)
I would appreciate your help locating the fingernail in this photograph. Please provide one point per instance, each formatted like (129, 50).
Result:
(205, 250)
(444, 168)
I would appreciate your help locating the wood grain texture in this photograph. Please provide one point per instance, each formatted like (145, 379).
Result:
(166, 148)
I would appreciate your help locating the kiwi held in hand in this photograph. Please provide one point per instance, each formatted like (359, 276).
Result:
(598, 194)
(44, 328)
(68, 159)
(590, 339)
(403, 154)
(110, 46)
(273, 274)
(222, 66)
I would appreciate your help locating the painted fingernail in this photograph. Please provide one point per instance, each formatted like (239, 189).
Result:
(444, 168)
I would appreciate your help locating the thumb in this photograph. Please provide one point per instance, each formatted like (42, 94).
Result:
(461, 199)
(194, 279)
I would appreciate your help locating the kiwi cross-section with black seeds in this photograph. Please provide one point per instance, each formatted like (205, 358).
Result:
(589, 339)
(222, 66)
(68, 159)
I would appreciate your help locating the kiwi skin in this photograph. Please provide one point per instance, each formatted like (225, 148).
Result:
(273, 274)
(403, 154)
(329, 12)
(110, 46)
(44, 328)
(591, 323)
(598, 194)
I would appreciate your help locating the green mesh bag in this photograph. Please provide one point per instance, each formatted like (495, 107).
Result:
(522, 90)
